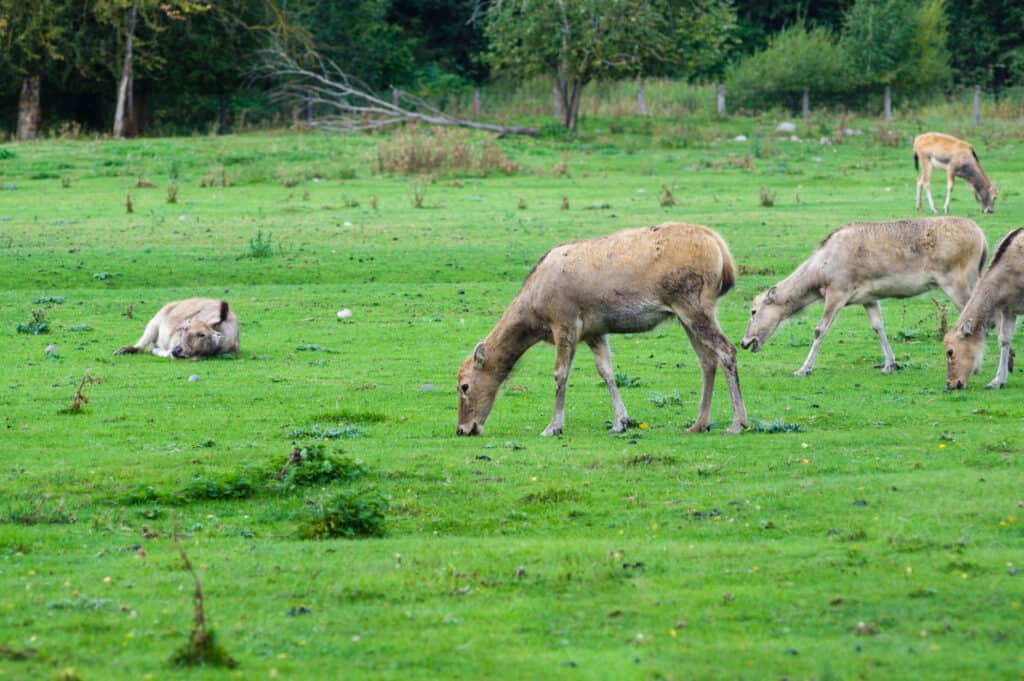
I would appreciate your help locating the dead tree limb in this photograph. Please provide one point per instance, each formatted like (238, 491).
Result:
(350, 105)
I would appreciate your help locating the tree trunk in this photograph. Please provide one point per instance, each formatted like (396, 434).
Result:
(805, 103)
(641, 99)
(556, 102)
(977, 104)
(222, 114)
(572, 106)
(309, 110)
(887, 103)
(123, 112)
(29, 109)
(476, 102)
(721, 100)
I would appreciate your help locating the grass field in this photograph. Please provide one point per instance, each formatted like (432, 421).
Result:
(866, 527)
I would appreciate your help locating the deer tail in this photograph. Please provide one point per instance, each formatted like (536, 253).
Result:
(916, 164)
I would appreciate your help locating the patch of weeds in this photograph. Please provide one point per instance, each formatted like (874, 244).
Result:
(345, 416)
(348, 515)
(56, 300)
(908, 335)
(552, 495)
(78, 328)
(627, 381)
(312, 464)
(313, 347)
(318, 431)
(36, 325)
(650, 460)
(599, 205)
(776, 426)
(202, 649)
(671, 400)
(766, 197)
(35, 513)
(666, 199)
(102, 276)
(172, 193)
(261, 247)
(239, 485)
(79, 400)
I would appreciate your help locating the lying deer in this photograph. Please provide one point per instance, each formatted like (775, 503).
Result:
(998, 297)
(957, 158)
(628, 282)
(863, 262)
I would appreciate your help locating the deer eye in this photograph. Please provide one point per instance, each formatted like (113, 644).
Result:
(465, 387)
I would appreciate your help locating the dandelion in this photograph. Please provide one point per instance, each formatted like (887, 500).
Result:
(910, 570)
(942, 445)
(644, 425)
(654, 526)
(673, 632)
(805, 461)
(755, 569)
(107, 580)
(963, 575)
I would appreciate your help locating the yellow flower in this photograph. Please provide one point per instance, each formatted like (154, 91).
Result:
(643, 425)
(942, 445)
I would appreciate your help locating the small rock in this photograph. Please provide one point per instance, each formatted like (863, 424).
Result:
(193, 378)
(429, 386)
(739, 138)
(826, 141)
(785, 126)
(51, 349)
(344, 314)
(347, 224)
(860, 502)
(851, 132)
(183, 218)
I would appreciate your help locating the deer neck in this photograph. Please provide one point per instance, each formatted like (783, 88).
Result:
(801, 288)
(514, 334)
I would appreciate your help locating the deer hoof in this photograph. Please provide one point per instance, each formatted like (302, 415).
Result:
(550, 431)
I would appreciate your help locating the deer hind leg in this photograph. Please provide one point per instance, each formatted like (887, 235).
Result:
(1007, 323)
(874, 311)
(925, 180)
(833, 304)
(565, 349)
(923, 162)
(713, 349)
(603, 361)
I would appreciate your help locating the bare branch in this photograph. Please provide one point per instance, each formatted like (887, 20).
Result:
(352, 104)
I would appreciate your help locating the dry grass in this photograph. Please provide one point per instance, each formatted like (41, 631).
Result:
(417, 151)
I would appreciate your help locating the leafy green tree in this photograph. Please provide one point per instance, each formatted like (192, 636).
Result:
(989, 40)
(32, 41)
(577, 41)
(707, 33)
(929, 54)
(796, 62)
(876, 39)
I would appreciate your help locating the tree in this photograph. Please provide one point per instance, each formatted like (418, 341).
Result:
(989, 40)
(32, 37)
(796, 62)
(576, 41)
(707, 33)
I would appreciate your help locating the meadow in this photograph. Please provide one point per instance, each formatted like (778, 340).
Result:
(865, 526)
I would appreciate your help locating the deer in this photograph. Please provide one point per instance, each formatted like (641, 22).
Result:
(862, 263)
(189, 329)
(958, 159)
(582, 291)
(999, 298)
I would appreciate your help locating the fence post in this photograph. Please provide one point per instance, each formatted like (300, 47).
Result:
(641, 99)
(394, 96)
(721, 100)
(476, 102)
(977, 104)
(887, 104)
(805, 103)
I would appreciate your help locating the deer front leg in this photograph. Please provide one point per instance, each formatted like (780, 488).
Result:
(949, 188)
(603, 361)
(925, 180)
(565, 349)
(713, 348)
(832, 306)
(1007, 323)
(874, 311)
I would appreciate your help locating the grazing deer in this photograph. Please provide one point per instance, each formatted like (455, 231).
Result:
(863, 262)
(189, 329)
(957, 158)
(582, 291)
(998, 297)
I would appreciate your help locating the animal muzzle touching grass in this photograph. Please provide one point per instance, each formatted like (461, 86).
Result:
(472, 429)
(752, 344)
(958, 384)
(177, 352)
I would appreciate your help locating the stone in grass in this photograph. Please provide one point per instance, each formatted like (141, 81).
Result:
(785, 127)
(344, 313)
(193, 378)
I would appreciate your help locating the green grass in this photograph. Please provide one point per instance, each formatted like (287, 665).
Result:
(870, 526)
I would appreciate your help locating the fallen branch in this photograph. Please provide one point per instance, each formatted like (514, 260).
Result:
(352, 106)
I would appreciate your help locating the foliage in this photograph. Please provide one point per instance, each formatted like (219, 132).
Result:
(795, 59)
(35, 326)
(577, 42)
(348, 515)
(261, 247)
(707, 35)
(876, 39)
(312, 464)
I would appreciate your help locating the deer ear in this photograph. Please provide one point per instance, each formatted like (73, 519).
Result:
(770, 296)
(966, 328)
(224, 309)
(479, 355)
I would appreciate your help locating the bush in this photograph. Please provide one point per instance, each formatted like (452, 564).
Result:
(348, 515)
(312, 464)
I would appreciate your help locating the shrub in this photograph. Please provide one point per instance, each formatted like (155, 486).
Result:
(36, 325)
(348, 515)
(312, 464)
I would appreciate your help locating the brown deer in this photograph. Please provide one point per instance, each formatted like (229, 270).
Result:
(628, 282)
(863, 262)
(189, 329)
(998, 297)
(958, 159)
